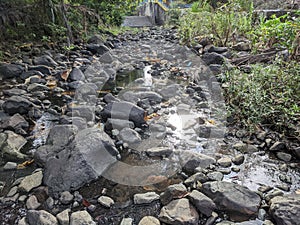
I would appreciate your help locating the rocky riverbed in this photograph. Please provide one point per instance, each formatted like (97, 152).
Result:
(134, 130)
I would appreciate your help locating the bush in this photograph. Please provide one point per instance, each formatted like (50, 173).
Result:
(269, 95)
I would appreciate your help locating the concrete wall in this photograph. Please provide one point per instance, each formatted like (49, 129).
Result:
(156, 14)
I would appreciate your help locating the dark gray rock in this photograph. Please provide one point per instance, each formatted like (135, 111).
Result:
(131, 137)
(219, 50)
(203, 203)
(96, 39)
(118, 124)
(213, 58)
(61, 135)
(284, 156)
(40, 217)
(32, 73)
(150, 95)
(43, 153)
(238, 201)
(106, 58)
(108, 98)
(15, 123)
(124, 110)
(84, 111)
(278, 146)
(195, 178)
(76, 74)
(8, 71)
(99, 49)
(242, 46)
(40, 68)
(179, 212)
(91, 153)
(285, 210)
(238, 159)
(14, 91)
(37, 87)
(17, 104)
(44, 60)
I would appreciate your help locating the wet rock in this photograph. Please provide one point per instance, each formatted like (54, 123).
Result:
(61, 135)
(284, 156)
(278, 146)
(80, 218)
(106, 201)
(169, 91)
(285, 178)
(245, 148)
(191, 160)
(131, 137)
(8, 71)
(285, 210)
(11, 145)
(124, 110)
(14, 91)
(203, 203)
(173, 192)
(31, 181)
(224, 162)
(66, 197)
(273, 194)
(179, 212)
(16, 104)
(32, 203)
(118, 124)
(76, 75)
(40, 217)
(213, 58)
(159, 151)
(145, 198)
(239, 159)
(238, 201)
(91, 153)
(126, 221)
(44, 60)
(63, 217)
(195, 178)
(149, 220)
(10, 166)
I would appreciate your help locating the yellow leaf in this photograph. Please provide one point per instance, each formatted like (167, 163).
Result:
(65, 75)
(25, 164)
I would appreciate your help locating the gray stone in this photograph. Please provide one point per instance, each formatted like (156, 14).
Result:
(149, 220)
(44, 60)
(12, 191)
(273, 194)
(242, 46)
(10, 70)
(22, 221)
(238, 201)
(215, 176)
(145, 198)
(159, 151)
(63, 217)
(31, 181)
(238, 159)
(173, 192)
(61, 135)
(179, 212)
(86, 112)
(213, 58)
(40, 217)
(43, 153)
(203, 203)
(91, 153)
(40, 68)
(131, 137)
(37, 87)
(16, 122)
(10, 166)
(106, 201)
(118, 124)
(32, 202)
(126, 221)
(106, 58)
(224, 162)
(99, 49)
(81, 218)
(66, 197)
(109, 98)
(284, 156)
(285, 210)
(14, 91)
(150, 95)
(193, 180)
(11, 145)
(191, 160)
(76, 75)
(124, 110)
(16, 104)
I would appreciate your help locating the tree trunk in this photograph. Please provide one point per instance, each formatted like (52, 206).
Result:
(70, 39)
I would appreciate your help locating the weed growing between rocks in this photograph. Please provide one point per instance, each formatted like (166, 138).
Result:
(268, 95)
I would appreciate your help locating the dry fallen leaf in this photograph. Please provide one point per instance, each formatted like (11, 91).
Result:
(151, 116)
(65, 74)
(25, 164)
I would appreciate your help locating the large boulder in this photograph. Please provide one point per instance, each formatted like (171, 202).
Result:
(44, 60)
(238, 201)
(125, 111)
(285, 210)
(10, 70)
(17, 104)
(90, 153)
(40, 217)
